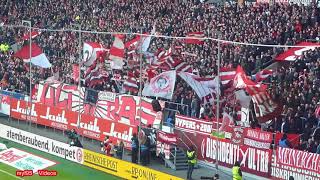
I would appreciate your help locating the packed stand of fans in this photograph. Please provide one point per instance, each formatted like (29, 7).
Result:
(296, 86)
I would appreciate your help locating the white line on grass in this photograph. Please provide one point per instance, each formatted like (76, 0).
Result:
(10, 174)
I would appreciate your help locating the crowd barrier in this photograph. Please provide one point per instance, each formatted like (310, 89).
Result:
(88, 158)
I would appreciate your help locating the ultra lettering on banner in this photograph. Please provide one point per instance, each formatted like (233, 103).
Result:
(255, 160)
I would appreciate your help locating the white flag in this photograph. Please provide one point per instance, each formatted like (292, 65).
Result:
(161, 85)
(243, 98)
(202, 86)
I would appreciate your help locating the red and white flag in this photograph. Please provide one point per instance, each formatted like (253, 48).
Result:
(117, 53)
(133, 43)
(294, 53)
(161, 85)
(202, 86)
(262, 75)
(130, 84)
(227, 75)
(265, 108)
(33, 35)
(38, 58)
(227, 123)
(177, 64)
(95, 74)
(91, 52)
(163, 54)
(192, 38)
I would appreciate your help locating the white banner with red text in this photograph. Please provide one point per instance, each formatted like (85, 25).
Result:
(194, 125)
(256, 138)
(42, 143)
(119, 108)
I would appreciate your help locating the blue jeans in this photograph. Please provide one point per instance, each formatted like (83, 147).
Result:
(190, 170)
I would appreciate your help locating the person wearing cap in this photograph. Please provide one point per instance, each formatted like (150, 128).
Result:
(236, 171)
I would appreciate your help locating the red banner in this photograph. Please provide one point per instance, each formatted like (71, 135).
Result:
(256, 138)
(194, 125)
(299, 164)
(89, 126)
(41, 114)
(98, 128)
(120, 108)
(168, 138)
(255, 161)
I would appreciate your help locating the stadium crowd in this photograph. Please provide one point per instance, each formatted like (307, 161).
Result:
(295, 84)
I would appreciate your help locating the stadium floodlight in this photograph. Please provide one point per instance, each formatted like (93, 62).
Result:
(28, 24)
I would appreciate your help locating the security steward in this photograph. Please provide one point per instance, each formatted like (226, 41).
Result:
(192, 160)
(236, 171)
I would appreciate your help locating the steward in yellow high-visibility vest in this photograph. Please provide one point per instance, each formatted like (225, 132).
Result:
(236, 171)
(2, 48)
(192, 160)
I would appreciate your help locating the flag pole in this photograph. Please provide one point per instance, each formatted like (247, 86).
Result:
(218, 97)
(79, 78)
(30, 67)
(140, 93)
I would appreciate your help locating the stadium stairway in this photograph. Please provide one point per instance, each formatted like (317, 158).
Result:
(178, 159)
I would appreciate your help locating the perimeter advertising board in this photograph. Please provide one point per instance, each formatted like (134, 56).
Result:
(41, 143)
(123, 169)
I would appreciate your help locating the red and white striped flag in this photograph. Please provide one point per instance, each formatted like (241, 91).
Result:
(265, 108)
(133, 43)
(264, 74)
(192, 38)
(163, 55)
(227, 75)
(131, 84)
(117, 53)
(177, 64)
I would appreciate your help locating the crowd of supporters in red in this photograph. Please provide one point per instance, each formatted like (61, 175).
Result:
(295, 84)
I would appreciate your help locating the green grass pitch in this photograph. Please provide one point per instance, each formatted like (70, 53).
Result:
(67, 170)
